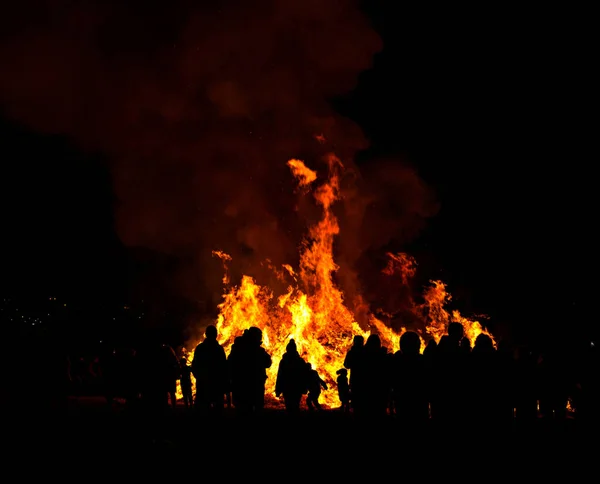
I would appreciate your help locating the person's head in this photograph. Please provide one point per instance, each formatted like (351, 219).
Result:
(291, 346)
(255, 335)
(373, 342)
(183, 361)
(483, 343)
(210, 332)
(342, 372)
(410, 343)
(358, 340)
(456, 331)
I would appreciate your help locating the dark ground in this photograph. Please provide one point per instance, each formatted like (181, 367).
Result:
(316, 444)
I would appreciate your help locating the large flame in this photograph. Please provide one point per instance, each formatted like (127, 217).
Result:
(312, 311)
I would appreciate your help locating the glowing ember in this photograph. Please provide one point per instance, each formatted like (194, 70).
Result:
(312, 310)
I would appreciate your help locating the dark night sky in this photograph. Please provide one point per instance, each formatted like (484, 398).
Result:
(494, 108)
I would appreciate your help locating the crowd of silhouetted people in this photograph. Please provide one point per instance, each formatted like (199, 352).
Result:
(450, 382)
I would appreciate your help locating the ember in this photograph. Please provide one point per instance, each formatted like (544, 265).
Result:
(313, 311)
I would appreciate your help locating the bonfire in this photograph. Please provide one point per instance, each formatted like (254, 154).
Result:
(313, 311)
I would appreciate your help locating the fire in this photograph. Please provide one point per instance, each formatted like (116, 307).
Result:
(224, 257)
(312, 311)
(436, 299)
(304, 175)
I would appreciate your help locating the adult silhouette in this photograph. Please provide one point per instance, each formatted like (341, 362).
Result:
(209, 367)
(554, 382)
(158, 373)
(430, 355)
(185, 382)
(456, 333)
(119, 375)
(249, 373)
(352, 362)
(388, 357)
(507, 374)
(291, 382)
(234, 370)
(170, 372)
(111, 374)
(483, 394)
(375, 372)
(451, 379)
(587, 388)
(465, 345)
(343, 387)
(410, 378)
(526, 387)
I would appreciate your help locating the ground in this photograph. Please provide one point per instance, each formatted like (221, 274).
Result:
(95, 430)
(91, 441)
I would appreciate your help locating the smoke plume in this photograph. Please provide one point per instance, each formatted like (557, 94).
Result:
(197, 110)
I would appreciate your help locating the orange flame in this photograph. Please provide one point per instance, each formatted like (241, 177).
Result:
(225, 258)
(312, 311)
(304, 175)
(438, 317)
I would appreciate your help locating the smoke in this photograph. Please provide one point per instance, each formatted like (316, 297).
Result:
(197, 110)
(386, 205)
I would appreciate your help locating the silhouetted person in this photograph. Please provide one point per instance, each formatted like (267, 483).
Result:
(69, 377)
(465, 345)
(343, 386)
(185, 382)
(388, 363)
(587, 400)
(430, 359)
(443, 346)
(456, 333)
(315, 384)
(410, 382)
(171, 373)
(430, 349)
(352, 363)
(554, 383)
(78, 369)
(526, 387)
(292, 379)
(121, 375)
(249, 373)
(93, 374)
(209, 367)
(131, 378)
(507, 375)
(374, 378)
(484, 395)
(233, 371)
(111, 375)
(452, 381)
(158, 373)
